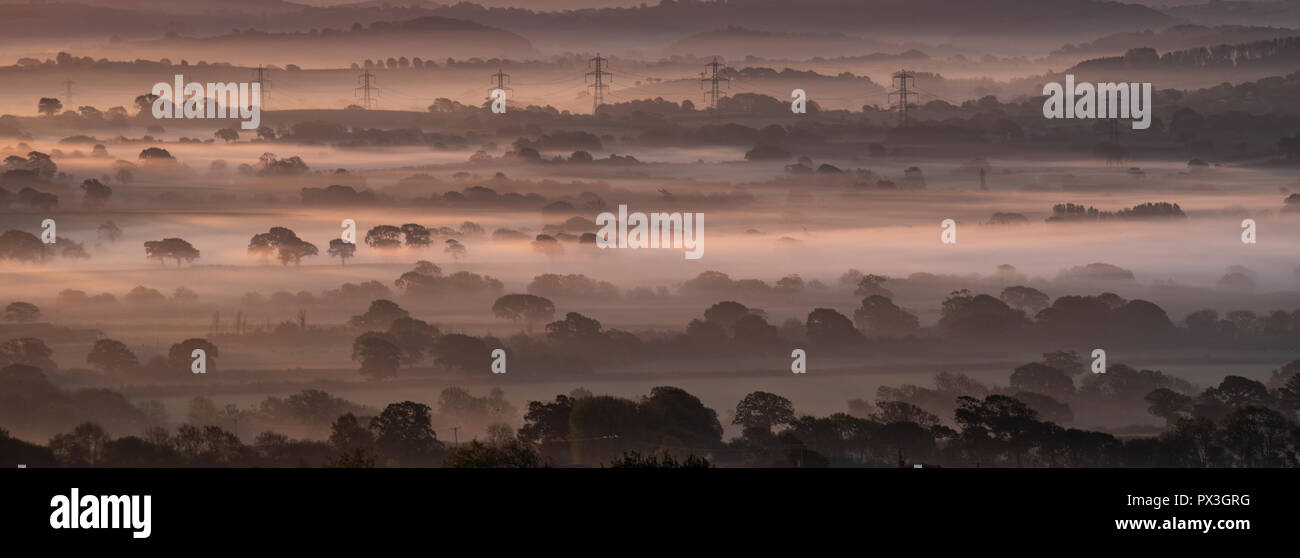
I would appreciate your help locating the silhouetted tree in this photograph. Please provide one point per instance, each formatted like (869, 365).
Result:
(1259, 437)
(674, 413)
(872, 285)
(547, 245)
(49, 106)
(179, 356)
(889, 412)
(404, 435)
(342, 250)
(462, 352)
(112, 356)
(525, 308)
(29, 351)
(379, 354)
(348, 435)
(635, 460)
(1169, 405)
(829, 328)
(1140, 319)
(173, 248)
(384, 237)
(762, 411)
(903, 440)
(546, 425)
(753, 331)
(144, 103)
(97, 194)
(979, 317)
(380, 316)
(511, 455)
(83, 446)
(999, 425)
(414, 337)
(142, 296)
(574, 327)
(15, 452)
(22, 312)
(454, 249)
(416, 236)
(1237, 391)
(879, 316)
(22, 246)
(725, 314)
(282, 243)
(227, 134)
(1289, 394)
(155, 154)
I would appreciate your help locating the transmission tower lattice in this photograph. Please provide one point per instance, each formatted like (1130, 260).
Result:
(598, 84)
(904, 83)
(502, 81)
(263, 84)
(712, 95)
(367, 81)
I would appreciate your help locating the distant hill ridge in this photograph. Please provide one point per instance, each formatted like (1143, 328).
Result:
(918, 16)
(428, 34)
(1065, 19)
(1176, 37)
(1282, 52)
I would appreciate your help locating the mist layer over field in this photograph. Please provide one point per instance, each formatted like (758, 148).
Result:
(894, 237)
